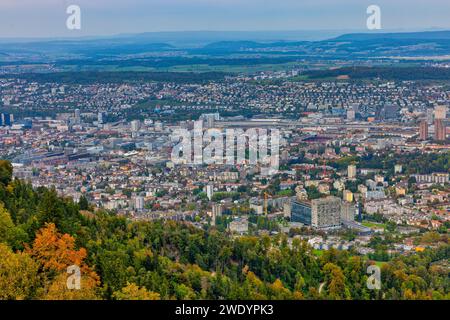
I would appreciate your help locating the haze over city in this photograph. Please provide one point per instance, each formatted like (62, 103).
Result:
(46, 18)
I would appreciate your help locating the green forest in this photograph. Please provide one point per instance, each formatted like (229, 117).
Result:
(412, 162)
(42, 234)
(390, 73)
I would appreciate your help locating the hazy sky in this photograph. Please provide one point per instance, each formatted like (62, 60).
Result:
(47, 18)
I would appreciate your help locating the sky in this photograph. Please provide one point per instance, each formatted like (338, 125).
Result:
(47, 18)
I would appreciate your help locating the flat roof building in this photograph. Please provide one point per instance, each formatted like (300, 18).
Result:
(326, 212)
(318, 213)
(301, 212)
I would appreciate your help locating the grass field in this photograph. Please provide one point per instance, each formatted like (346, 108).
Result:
(196, 68)
(371, 224)
(229, 68)
(317, 252)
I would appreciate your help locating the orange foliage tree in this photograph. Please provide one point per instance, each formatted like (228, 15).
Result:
(56, 252)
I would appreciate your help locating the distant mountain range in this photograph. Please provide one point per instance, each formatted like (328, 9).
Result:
(353, 45)
(426, 35)
(200, 38)
(210, 46)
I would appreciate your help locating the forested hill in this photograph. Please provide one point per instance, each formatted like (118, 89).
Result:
(41, 234)
(387, 73)
(427, 35)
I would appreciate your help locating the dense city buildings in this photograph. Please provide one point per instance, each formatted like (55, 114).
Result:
(122, 161)
(280, 173)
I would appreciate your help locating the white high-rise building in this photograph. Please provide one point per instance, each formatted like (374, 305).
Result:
(326, 212)
(351, 171)
(209, 191)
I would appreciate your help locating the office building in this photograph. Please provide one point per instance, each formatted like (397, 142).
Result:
(6, 119)
(318, 213)
(77, 116)
(423, 130)
(301, 212)
(348, 211)
(326, 212)
(439, 130)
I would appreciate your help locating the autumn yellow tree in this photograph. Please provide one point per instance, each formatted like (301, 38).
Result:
(6, 225)
(56, 252)
(278, 291)
(59, 290)
(18, 275)
(253, 286)
(10, 234)
(335, 287)
(133, 292)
